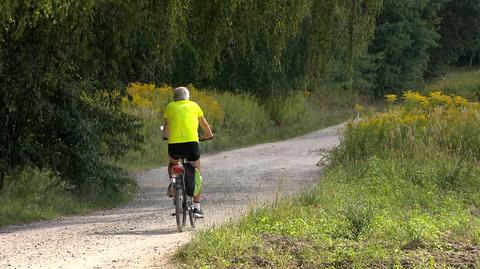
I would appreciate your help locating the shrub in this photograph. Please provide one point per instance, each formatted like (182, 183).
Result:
(33, 194)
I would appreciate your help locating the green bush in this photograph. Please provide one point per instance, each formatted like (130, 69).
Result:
(246, 122)
(32, 194)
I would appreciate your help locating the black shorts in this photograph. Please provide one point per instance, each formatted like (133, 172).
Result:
(188, 150)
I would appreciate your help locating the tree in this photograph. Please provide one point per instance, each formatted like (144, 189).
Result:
(50, 72)
(239, 44)
(406, 32)
(459, 31)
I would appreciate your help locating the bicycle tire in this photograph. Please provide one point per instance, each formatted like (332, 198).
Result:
(185, 212)
(191, 216)
(179, 201)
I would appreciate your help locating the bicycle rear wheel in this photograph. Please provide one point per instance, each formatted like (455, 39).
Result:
(179, 203)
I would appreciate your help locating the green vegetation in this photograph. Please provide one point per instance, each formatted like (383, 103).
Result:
(31, 194)
(237, 119)
(398, 56)
(464, 82)
(41, 194)
(65, 66)
(402, 190)
(460, 34)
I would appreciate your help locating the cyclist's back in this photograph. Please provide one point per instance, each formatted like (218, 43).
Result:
(182, 119)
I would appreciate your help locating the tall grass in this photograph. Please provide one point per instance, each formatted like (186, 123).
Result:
(374, 214)
(449, 123)
(461, 82)
(402, 189)
(246, 121)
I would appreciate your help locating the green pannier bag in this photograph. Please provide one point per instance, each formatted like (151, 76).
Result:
(193, 180)
(198, 182)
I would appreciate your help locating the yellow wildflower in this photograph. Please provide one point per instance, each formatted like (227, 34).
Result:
(440, 98)
(411, 118)
(391, 98)
(460, 101)
(359, 108)
(141, 102)
(416, 98)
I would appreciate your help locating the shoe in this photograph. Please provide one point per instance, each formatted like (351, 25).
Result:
(198, 213)
(170, 190)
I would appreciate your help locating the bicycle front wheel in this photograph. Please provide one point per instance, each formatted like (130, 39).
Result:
(179, 201)
(191, 216)
(190, 211)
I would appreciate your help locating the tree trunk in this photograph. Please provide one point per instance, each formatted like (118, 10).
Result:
(471, 59)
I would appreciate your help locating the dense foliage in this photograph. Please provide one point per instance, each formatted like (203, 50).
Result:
(405, 32)
(460, 33)
(58, 107)
(414, 40)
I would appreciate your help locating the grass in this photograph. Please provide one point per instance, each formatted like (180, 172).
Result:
(462, 82)
(401, 191)
(368, 214)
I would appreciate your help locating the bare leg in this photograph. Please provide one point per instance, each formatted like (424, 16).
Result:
(197, 164)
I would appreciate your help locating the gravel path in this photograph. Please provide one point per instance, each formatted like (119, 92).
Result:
(143, 234)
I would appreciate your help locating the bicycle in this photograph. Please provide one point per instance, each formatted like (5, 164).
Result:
(183, 202)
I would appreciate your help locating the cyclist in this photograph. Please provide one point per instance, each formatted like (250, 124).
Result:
(182, 118)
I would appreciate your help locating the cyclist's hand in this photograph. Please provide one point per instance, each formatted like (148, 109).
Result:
(206, 138)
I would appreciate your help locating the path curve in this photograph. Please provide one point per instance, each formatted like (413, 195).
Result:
(143, 234)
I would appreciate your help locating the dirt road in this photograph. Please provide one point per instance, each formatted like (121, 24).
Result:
(143, 234)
